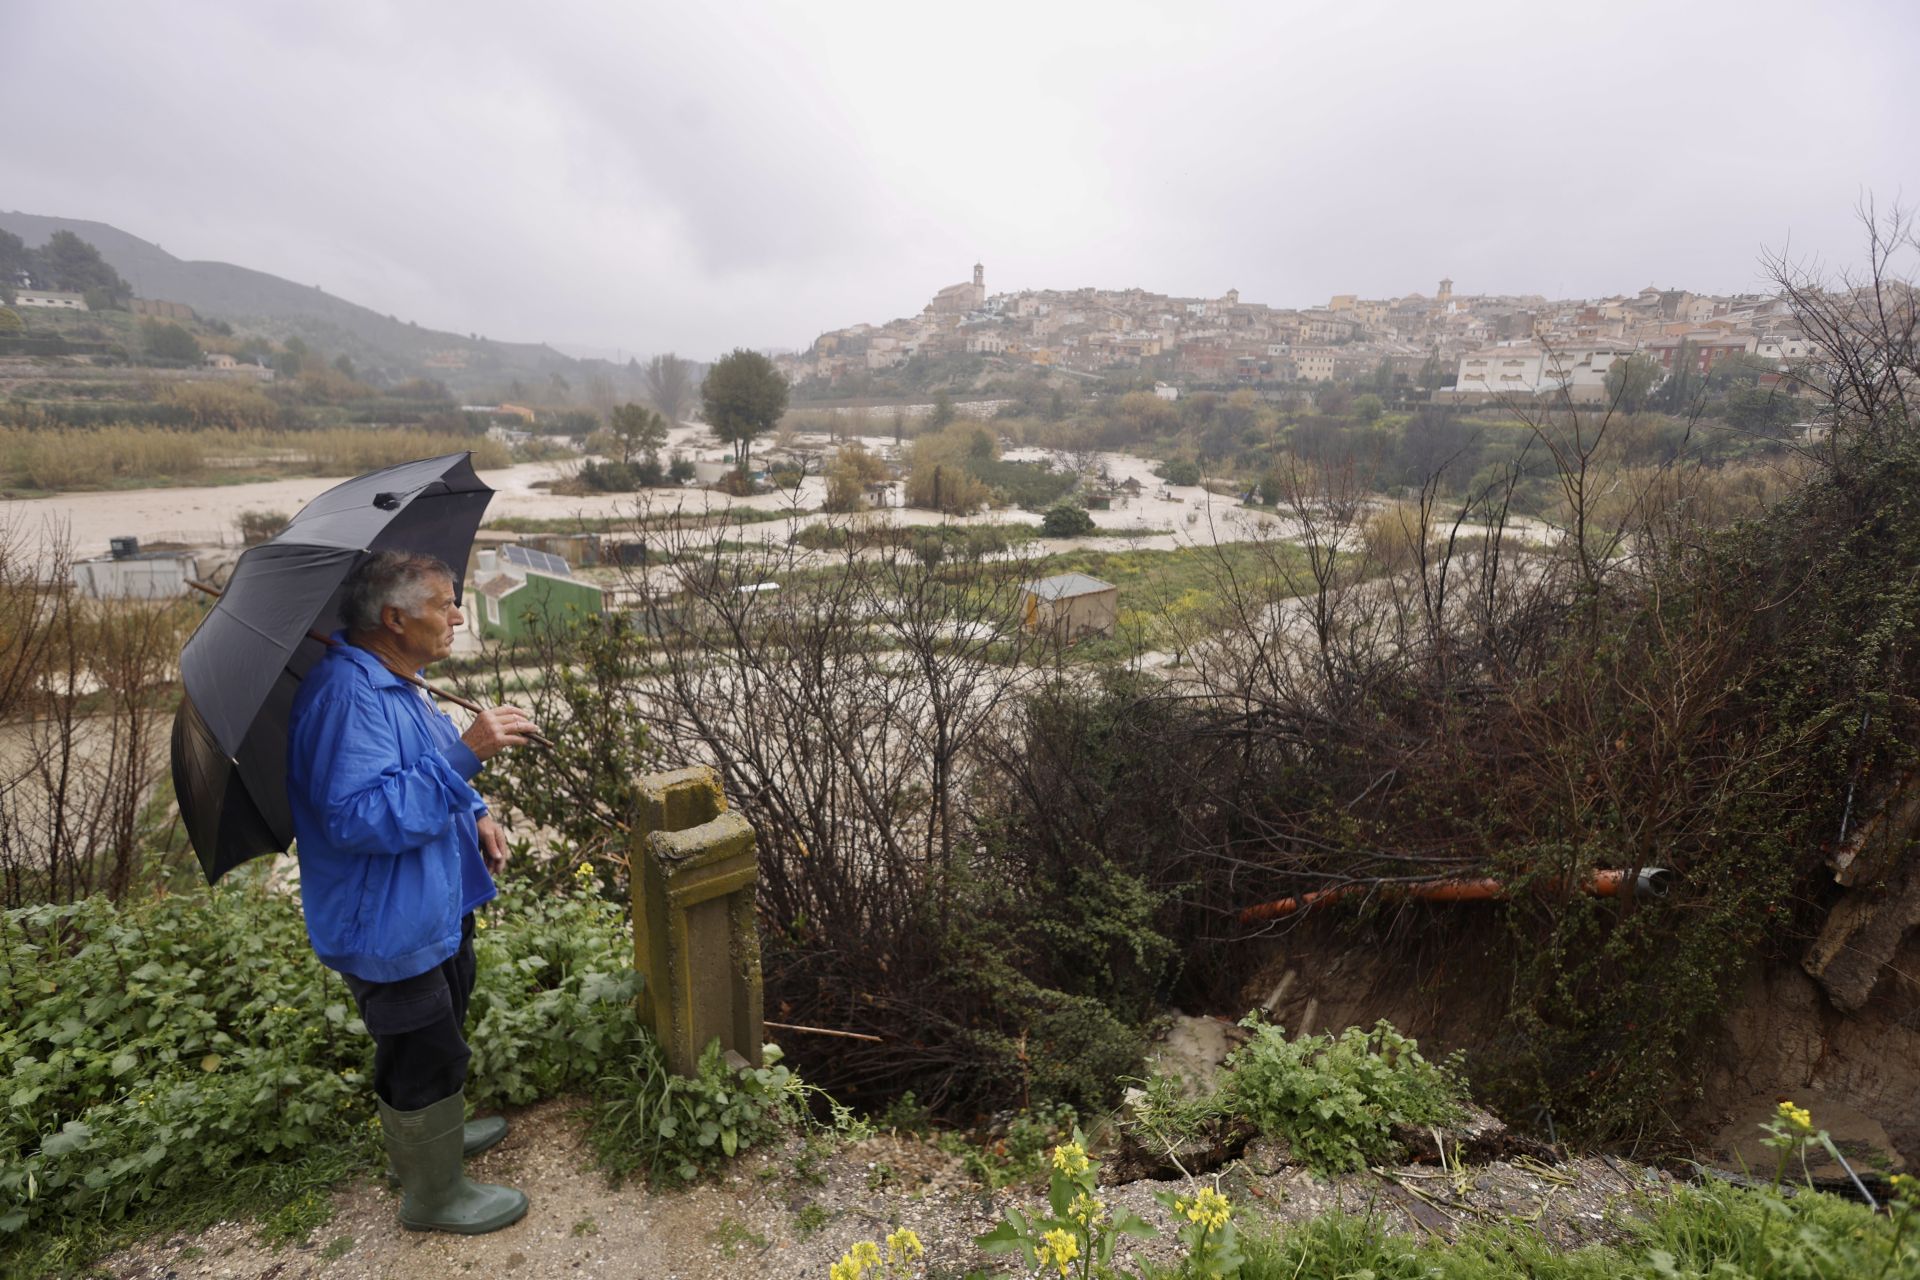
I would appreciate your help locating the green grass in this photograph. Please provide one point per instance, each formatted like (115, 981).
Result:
(1711, 1232)
(731, 1236)
(1168, 575)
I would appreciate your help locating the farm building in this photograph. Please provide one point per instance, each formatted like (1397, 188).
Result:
(1069, 607)
(132, 574)
(517, 588)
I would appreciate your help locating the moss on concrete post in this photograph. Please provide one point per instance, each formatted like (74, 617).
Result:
(695, 869)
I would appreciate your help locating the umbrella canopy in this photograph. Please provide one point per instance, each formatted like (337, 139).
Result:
(243, 664)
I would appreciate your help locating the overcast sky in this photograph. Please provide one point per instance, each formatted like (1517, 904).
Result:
(701, 176)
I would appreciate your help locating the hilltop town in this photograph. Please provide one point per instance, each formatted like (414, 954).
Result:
(1458, 346)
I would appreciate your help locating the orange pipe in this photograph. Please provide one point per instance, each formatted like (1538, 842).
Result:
(1601, 884)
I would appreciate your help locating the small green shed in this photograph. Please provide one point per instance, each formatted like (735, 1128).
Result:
(506, 605)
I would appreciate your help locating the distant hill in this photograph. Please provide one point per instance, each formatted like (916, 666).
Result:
(256, 301)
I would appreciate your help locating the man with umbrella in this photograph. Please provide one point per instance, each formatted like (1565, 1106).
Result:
(396, 851)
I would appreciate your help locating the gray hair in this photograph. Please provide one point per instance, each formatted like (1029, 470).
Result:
(402, 579)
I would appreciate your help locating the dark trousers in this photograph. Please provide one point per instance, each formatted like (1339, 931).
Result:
(419, 1052)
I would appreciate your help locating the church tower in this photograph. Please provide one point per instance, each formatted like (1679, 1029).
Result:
(1446, 290)
(979, 285)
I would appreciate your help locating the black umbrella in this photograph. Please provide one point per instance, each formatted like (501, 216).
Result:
(244, 662)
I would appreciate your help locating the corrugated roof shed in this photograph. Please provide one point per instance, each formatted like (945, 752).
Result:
(1063, 586)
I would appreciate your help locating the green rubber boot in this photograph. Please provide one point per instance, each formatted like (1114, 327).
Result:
(424, 1147)
(476, 1136)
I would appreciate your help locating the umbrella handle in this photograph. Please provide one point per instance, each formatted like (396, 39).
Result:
(410, 678)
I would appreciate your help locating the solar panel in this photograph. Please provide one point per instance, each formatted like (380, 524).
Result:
(543, 561)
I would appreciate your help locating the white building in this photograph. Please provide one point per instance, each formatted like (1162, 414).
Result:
(152, 575)
(49, 298)
(1581, 372)
(1782, 347)
(1510, 371)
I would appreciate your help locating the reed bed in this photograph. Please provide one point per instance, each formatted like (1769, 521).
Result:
(121, 457)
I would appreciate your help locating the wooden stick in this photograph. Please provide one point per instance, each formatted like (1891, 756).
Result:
(823, 1031)
(409, 677)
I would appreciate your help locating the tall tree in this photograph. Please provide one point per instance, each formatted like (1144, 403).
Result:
(1631, 381)
(15, 257)
(743, 396)
(165, 340)
(68, 262)
(669, 381)
(639, 430)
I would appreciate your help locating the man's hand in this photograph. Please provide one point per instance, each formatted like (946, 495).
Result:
(497, 728)
(493, 844)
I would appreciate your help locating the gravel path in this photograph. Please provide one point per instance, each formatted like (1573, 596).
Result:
(783, 1213)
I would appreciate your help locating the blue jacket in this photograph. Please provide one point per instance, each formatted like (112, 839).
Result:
(383, 818)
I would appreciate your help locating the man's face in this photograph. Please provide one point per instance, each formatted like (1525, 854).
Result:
(426, 633)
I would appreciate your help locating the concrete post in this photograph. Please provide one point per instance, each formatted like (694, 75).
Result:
(694, 869)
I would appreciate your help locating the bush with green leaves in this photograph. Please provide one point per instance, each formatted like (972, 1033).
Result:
(1336, 1100)
(1066, 521)
(166, 1047)
(672, 1129)
(1180, 471)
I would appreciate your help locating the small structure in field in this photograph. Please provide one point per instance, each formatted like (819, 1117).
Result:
(132, 574)
(1069, 607)
(517, 589)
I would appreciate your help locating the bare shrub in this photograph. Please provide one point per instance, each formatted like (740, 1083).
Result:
(86, 697)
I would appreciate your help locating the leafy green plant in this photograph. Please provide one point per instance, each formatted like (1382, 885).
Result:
(1077, 1236)
(674, 1128)
(1336, 1100)
(186, 1057)
(1016, 1155)
(1066, 521)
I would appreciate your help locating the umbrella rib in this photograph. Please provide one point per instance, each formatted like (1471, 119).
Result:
(201, 586)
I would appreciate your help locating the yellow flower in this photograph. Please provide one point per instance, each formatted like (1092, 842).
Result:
(1799, 1117)
(1059, 1248)
(1210, 1209)
(1070, 1159)
(863, 1257)
(1085, 1210)
(1905, 1186)
(904, 1246)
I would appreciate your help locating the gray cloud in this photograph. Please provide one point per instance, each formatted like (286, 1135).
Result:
(698, 177)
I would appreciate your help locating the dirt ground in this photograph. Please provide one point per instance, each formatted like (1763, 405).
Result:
(780, 1214)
